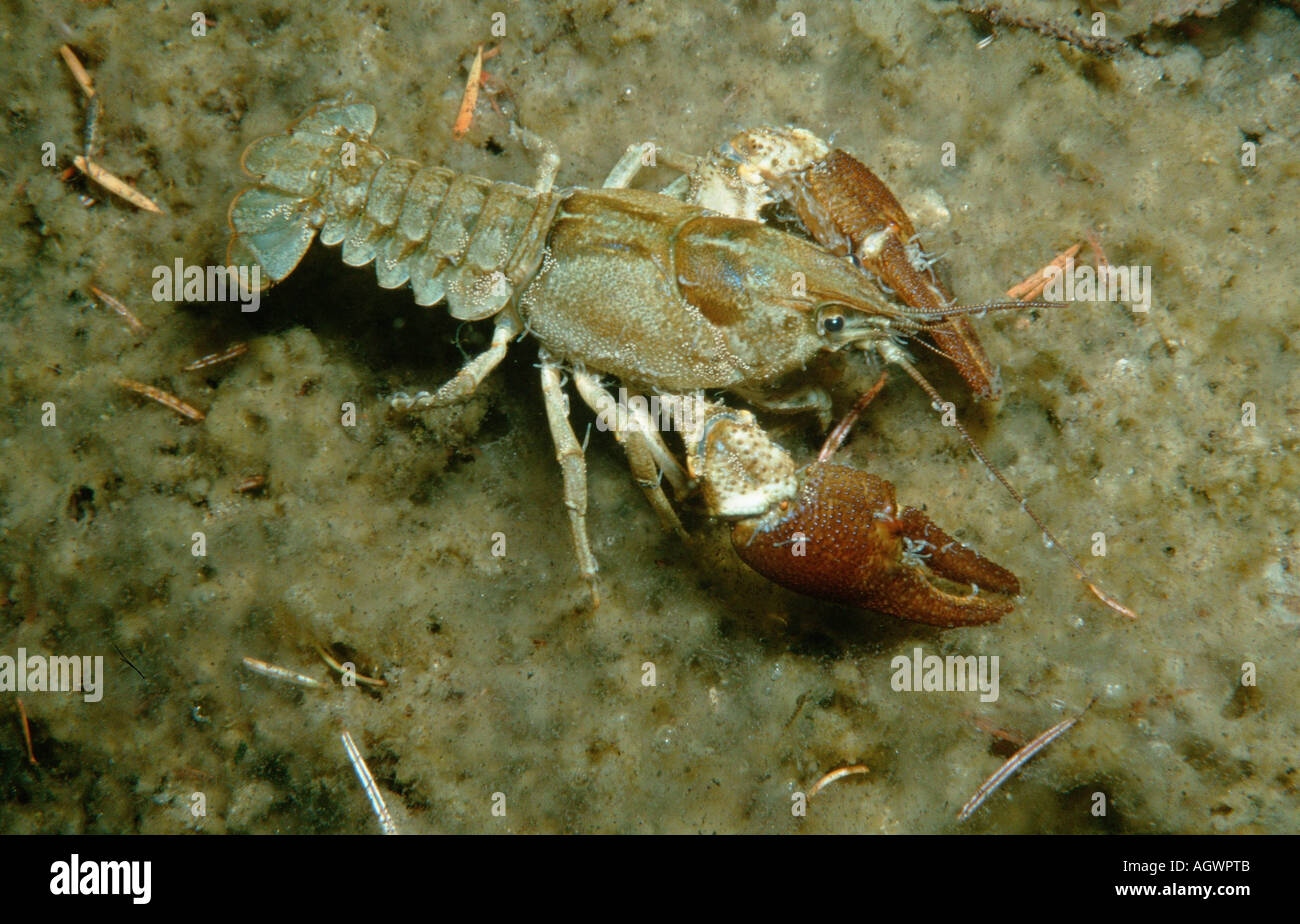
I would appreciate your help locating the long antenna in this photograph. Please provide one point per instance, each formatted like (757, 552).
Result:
(895, 355)
(979, 310)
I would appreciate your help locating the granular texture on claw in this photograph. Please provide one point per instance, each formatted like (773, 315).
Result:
(846, 540)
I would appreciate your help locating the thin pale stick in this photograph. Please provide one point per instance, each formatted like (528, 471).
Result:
(115, 185)
(132, 321)
(1018, 760)
(1032, 286)
(466, 114)
(27, 732)
(837, 774)
(233, 351)
(283, 674)
(368, 784)
(164, 398)
(79, 73)
(361, 678)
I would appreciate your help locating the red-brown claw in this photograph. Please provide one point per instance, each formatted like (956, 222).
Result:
(844, 539)
(879, 232)
(847, 209)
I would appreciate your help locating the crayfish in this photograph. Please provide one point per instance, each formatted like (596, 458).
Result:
(673, 297)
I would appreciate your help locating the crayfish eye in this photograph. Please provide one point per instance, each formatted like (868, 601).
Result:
(831, 321)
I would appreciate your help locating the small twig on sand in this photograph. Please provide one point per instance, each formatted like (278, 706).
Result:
(466, 114)
(283, 674)
(166, 399)
(837, 774)
(27, 733)
(368, 784)
(132, 321)
(1018, 760)
(115, 185)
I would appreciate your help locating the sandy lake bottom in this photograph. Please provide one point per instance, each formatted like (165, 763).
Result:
(1173, 432)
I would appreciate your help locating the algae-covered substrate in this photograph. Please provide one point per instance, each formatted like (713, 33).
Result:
(1173, 432)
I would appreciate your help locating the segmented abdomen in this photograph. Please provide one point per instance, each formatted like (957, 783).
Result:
(454, 236)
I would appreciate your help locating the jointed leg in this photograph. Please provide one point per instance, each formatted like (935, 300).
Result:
(644, 155)
(573, 467)
(667, 462)
(679, 188)
(547, 153)
(812, 398)
(645, 427)
(641, 452)
(470, 376)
